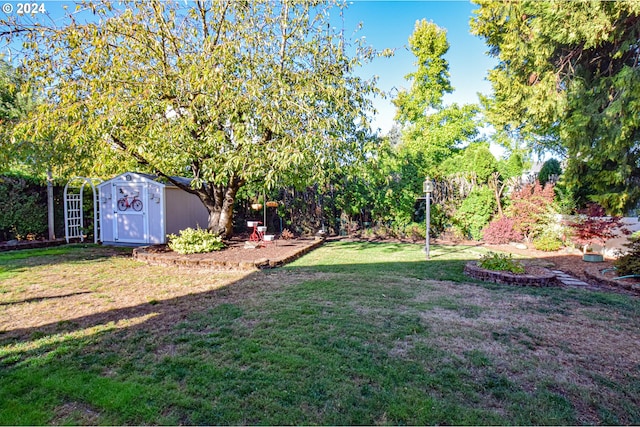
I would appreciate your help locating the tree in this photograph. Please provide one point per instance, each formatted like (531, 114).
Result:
(228, 93)
(593, 226)
(13, 106)
(531, 206)
(431, 131)
(476, 158)
(549, 169)
(568, 80)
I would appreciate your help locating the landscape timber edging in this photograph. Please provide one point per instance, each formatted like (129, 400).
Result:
(472, 269)
(140, 254)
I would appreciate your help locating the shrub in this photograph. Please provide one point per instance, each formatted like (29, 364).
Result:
(415, 231)
(23, 209)
(500, 262)
(381, 231)
(595, 227)
(547, 242)
(475, 212)
(198, 241)
(500, 231)
(530, 208)
(630, 262)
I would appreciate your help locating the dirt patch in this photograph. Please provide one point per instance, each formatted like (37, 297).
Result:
(75, 413)
(237, 255)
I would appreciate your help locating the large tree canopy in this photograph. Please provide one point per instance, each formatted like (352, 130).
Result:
(568, 79)
(229, 93)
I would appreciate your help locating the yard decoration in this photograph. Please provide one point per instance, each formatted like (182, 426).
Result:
(593, 226)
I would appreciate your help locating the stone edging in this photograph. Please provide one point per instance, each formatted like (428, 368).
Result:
(32, 244)
(140, 254)
(595, 277)
(472, 269)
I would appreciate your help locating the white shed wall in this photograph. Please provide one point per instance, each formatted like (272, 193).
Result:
(156, 213)
(106, 214)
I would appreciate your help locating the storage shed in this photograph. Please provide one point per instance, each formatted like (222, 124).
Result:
(137, 208)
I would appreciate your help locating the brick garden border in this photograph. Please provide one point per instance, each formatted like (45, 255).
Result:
(546, 279)
(171, 259)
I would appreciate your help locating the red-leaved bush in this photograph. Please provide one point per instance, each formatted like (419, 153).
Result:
(500, 231)
(529, 205)
(595, 226)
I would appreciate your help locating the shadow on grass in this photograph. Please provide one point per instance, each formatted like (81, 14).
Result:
(38, 299)
(285, 346)
(76, 253)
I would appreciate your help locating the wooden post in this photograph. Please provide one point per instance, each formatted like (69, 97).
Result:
(50, 210)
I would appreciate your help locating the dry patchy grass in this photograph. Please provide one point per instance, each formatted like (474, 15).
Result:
(340, 337)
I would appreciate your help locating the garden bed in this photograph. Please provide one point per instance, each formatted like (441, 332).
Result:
(595, 276)
(234, 257)
(571, 262)
(533, 276)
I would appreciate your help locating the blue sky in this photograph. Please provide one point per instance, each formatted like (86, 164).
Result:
(388, 24)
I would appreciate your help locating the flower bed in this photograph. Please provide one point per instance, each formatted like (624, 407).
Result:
(533, 276)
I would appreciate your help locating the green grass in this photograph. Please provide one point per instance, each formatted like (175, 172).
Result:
(352, 333)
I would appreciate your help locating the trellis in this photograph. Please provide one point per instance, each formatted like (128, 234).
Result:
(73, 208)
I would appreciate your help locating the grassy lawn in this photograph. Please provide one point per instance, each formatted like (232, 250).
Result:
(352, 333)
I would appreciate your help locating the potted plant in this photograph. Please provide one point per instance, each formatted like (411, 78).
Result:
(593, 226)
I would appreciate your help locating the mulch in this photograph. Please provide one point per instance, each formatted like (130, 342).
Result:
(237, 255)
(570, 261)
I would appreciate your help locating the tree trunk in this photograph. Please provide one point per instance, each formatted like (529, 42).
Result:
(219, 200)
(220, 207)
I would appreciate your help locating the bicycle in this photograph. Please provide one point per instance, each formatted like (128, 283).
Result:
(124, 204)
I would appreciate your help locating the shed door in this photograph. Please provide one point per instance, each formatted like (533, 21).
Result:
(130, 223)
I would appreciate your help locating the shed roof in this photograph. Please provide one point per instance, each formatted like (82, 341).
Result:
(151, 177)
